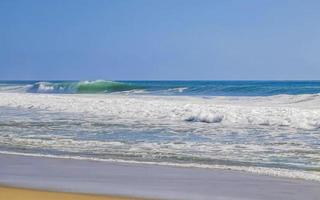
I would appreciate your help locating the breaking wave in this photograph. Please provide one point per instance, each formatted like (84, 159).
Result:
(99, 86)
(166, 88)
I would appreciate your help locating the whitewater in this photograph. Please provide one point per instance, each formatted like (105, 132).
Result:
(179, 123)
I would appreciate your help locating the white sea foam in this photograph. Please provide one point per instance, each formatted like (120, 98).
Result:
(179, 89)
(205, 117)
(297, 112)
(45, 87)
(271, 131)
(14, 88)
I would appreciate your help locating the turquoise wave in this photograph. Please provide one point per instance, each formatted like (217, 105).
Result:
(99, 86)
(188, 88)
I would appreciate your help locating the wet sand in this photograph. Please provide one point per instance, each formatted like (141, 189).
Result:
(148, 181)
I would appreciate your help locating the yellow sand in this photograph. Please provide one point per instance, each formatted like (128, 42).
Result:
(11, 193)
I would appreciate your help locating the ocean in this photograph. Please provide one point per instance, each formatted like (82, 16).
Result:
(265, 127)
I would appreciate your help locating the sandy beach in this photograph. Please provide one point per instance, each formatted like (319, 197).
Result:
(12, 193)
(145, 181)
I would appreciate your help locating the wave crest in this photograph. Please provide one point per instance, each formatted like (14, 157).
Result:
(98, 86)
(206, 117)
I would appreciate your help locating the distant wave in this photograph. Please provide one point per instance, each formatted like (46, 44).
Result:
(167, 88)
(178, 89)
(14, 88)
(98, 86)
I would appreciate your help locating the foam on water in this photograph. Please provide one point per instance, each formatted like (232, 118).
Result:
(274, 135)
(247, 133)
(297, 112)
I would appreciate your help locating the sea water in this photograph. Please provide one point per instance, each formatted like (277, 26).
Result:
(267, 127)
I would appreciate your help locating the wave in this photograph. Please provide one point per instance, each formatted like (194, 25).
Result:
(205, 117)
(14, 88)
(98, 86)
(167, 88)
(178, 89)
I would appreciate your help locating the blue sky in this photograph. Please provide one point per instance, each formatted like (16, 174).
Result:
(160, 39)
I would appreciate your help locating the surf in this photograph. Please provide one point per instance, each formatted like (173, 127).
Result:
(81, 87)
(165, 88)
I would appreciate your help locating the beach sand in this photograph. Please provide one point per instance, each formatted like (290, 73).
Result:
(147, 181)
(12, 193)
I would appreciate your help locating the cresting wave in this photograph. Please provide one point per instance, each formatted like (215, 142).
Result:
(166, 88)
(99, 86)
(89, 87)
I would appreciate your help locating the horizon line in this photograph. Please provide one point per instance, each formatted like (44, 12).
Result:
(160, 79)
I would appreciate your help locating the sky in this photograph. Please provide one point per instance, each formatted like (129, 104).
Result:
(159, 40)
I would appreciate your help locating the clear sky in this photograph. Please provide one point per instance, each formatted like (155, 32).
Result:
(159, 39)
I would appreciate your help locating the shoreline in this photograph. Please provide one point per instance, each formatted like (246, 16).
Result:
(147, 181)
(261, 171)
